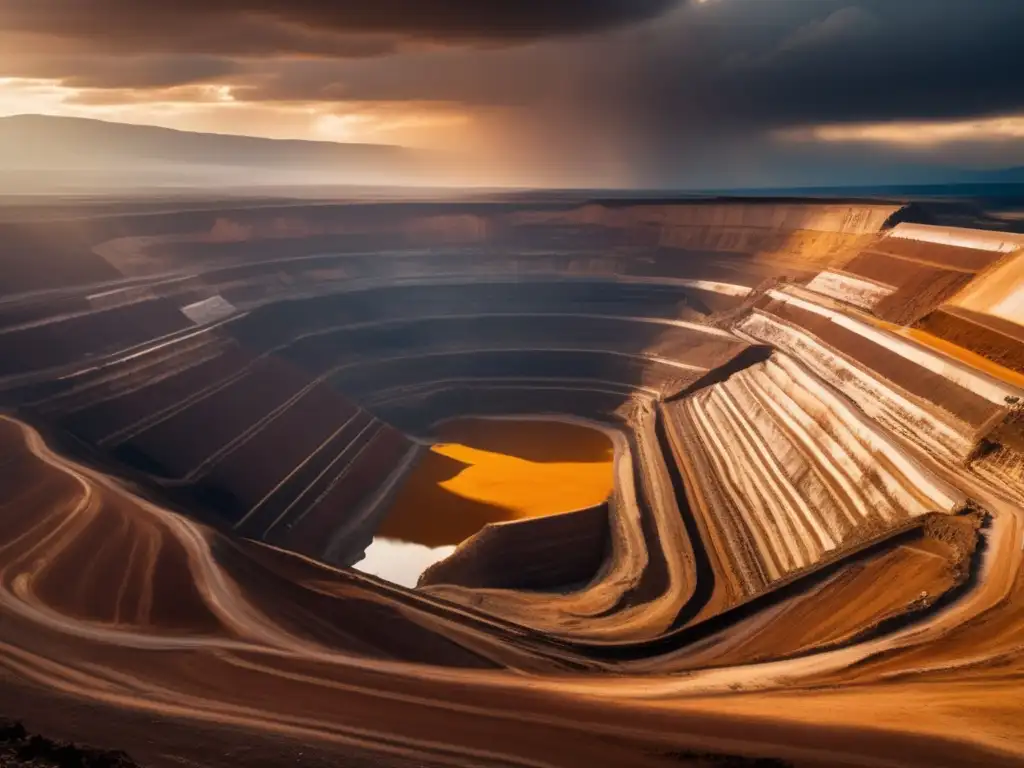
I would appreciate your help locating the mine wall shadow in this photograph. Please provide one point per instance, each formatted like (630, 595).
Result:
(913, 616)
(654, 578)
(680, 638)
(181, 501)
(493, 398)
(903, 620)
(577, 444)
(705, 574)
(748, 357)
(525, 554)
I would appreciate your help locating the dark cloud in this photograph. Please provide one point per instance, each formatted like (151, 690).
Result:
(882, 61)
(135, 72)
(310, 26)
(721, 79)
(731, 64)
(704, 89)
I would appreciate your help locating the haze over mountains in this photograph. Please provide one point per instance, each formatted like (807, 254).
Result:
(41, 152)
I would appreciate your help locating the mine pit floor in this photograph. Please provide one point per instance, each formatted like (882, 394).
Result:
(497, 470)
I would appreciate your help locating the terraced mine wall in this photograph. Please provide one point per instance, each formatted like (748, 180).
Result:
(815, 410)
(228, 330)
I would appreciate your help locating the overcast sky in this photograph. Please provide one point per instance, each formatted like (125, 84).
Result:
(600, 92)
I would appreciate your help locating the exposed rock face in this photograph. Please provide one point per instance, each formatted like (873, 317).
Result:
(228, 378)
(789, 474)
(816, 419)
(558, 551)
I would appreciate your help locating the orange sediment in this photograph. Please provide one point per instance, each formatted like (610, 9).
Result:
(947, 348)
(489, 471)
(965, 356)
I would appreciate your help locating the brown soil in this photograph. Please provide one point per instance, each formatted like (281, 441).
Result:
(977, 334)
(552, 552)
(303, 699)
(919, 296)
(962, 354)
(128, 626)
(925, 275)
(888, 270)
(939, 254)
(847, 605)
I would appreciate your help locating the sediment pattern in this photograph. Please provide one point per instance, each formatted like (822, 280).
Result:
(815, 526)
(790, 475)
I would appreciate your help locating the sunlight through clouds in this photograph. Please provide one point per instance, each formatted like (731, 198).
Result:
(915, 134)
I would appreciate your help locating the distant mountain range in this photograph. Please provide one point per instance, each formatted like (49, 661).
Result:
(69, 152)
(41, 153)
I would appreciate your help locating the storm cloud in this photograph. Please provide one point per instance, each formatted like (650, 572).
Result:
(670, 90)
(278, 26)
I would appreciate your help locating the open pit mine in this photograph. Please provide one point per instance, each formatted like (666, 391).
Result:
(708, 482)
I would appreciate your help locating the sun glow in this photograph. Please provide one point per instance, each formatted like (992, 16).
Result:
(914, 134)
(218, 108)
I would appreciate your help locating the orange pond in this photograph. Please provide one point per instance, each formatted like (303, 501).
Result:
(488, 471)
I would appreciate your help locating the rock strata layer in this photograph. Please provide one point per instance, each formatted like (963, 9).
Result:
(815, 526)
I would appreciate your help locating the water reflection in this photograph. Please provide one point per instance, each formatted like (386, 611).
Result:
(487, 471)
(400, 562)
